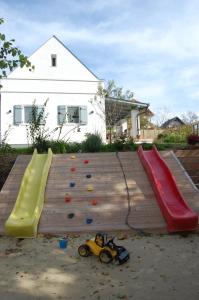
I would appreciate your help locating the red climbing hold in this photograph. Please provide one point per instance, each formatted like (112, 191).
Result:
(94, 202)
(67, 198)
(73, 169)
(86, 161)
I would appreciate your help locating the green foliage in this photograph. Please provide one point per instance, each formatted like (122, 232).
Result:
(37, 133)
(92, 143)
(11, 56)
(118, 146)
(178, 135)
(73, 147)
(113, 91)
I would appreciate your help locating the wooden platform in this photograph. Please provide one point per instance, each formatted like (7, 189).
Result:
(109, 190)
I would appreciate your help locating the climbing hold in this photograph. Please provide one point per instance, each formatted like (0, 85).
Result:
(94, 202)
(88, 176)
(86, 161)
(67, 198)
(90, 188)
(71, 215)
(72, 184)
(73, 169)
(73, 157)
(89, 220)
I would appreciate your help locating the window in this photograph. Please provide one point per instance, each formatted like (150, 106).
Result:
(72, 114)
(24, 113)
(53, 60)
(28, 114)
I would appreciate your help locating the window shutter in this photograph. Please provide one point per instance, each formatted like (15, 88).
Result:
(61, 114)
(17, 114)
(83, 115)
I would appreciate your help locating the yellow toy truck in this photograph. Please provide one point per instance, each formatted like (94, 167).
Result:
(106, 250)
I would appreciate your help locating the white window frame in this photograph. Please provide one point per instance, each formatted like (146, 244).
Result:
(66, 118)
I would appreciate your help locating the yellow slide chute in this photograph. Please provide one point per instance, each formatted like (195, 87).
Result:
(24, 218)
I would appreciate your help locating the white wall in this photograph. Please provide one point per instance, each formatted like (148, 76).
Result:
(70, 84)
(18, 133)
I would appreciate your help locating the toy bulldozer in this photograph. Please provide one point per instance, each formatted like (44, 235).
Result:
(106, 250)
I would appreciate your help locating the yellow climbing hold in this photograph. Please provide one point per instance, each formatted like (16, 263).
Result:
(73, 157)
(90, 188)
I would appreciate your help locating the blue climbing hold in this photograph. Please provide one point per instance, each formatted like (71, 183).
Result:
(89, 221)
(72, 184)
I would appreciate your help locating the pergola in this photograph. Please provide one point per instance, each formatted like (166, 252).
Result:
(119, 109)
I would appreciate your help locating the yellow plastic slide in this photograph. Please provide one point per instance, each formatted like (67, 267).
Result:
(24, 218)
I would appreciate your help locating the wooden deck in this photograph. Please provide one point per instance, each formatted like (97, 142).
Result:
(109, 191)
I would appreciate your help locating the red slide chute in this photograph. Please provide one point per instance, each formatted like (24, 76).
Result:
(178, 215)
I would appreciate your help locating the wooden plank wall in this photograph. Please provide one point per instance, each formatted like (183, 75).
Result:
(190, 161)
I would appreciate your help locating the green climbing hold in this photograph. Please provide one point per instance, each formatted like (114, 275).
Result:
(71, 215)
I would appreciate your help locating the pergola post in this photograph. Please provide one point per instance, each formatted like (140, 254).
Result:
(135, 123)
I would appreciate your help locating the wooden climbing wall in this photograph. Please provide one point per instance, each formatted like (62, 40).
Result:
(109, 193)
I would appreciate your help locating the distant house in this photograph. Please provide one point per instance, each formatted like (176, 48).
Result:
(71, 89)
(173, 123)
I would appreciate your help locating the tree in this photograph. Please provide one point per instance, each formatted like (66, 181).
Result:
(113, 111)
(189, 117)
(11, 56)
(112, 91)
(161, 116)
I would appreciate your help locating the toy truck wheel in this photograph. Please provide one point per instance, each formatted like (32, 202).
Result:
(84, 250)
(105, 256)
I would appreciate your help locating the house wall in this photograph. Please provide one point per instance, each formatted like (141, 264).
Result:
(70, 83)
(18, 136)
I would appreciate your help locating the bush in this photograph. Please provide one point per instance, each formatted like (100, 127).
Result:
(193, 139)
(92, 143)
(178, 135)
(73, 147)
(57, 146)
(41, 144)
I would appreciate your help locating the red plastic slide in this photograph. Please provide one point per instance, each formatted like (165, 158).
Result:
(178, 215)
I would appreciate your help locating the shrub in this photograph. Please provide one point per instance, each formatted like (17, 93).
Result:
(193, 139)
(73, 147)
(41, 144)
(92, 143)
(57, 146)
(178, 135)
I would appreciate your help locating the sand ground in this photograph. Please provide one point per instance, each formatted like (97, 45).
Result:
(160, 267)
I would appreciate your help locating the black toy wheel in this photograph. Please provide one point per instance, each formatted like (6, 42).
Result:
(105, 256)
(84, 250)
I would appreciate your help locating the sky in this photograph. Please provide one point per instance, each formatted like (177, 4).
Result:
(150, 47)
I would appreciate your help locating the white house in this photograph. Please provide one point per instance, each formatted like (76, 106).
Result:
(70, 88)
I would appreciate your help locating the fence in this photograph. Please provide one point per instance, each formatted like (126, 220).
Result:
(149, 134)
